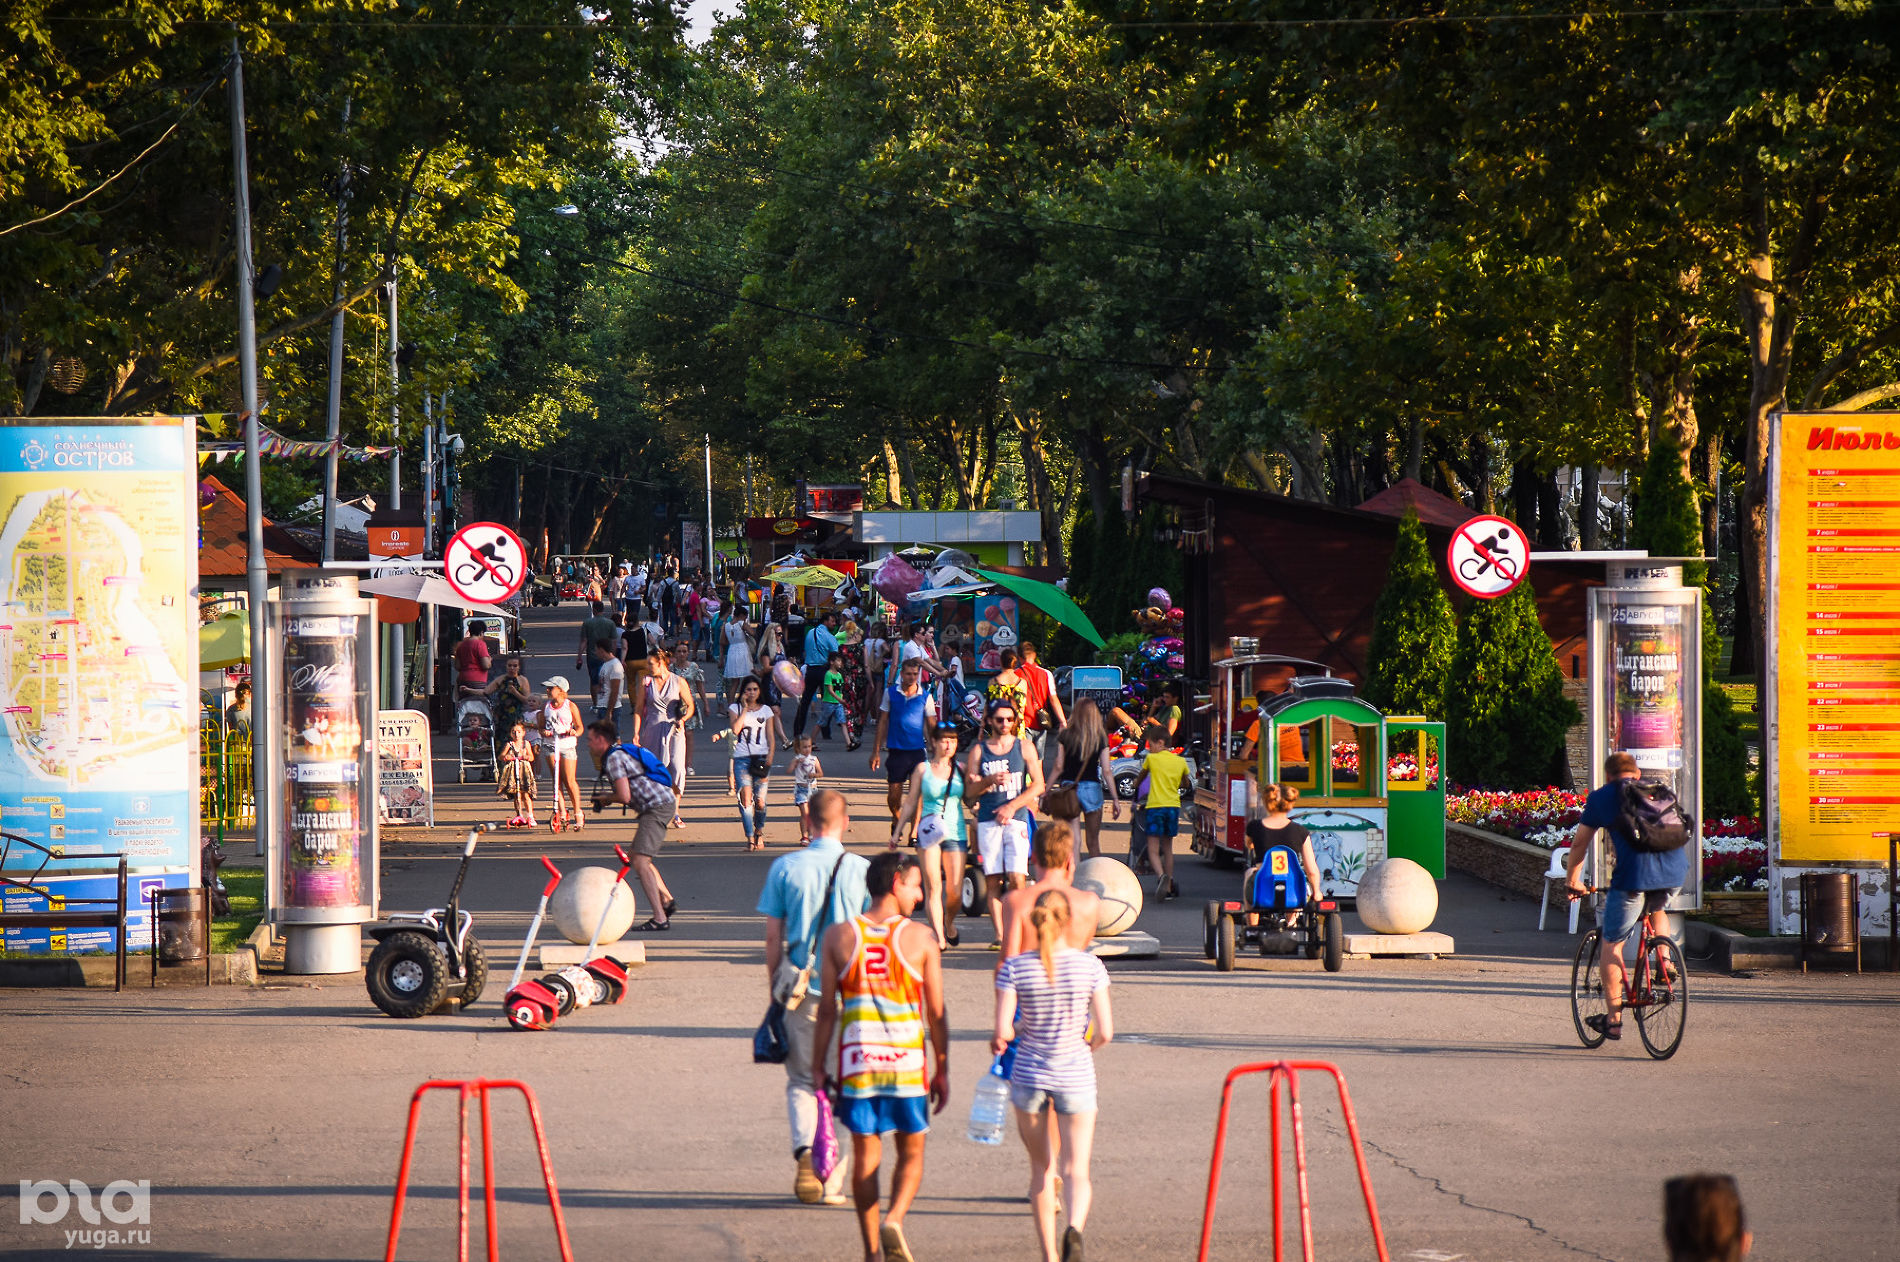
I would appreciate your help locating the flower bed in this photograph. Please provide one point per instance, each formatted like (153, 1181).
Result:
(1734, 856)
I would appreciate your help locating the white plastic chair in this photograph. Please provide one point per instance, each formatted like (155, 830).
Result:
(1554, 879)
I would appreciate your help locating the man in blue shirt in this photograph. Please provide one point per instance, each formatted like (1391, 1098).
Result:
(820, 644)
(797, 914)
(1642, 884)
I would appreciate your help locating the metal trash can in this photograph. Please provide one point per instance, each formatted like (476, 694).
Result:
(1830, 917)
(181, 928)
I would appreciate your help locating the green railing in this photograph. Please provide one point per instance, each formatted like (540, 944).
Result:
(227, 797)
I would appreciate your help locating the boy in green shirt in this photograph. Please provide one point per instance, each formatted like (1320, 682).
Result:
(831, 697)
(1167, 773)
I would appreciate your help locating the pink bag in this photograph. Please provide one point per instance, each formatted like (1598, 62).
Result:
(824, 1144)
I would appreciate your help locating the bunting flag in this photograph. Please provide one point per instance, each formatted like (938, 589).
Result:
(277, 447)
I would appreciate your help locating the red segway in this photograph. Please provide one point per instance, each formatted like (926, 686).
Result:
(537, 1004)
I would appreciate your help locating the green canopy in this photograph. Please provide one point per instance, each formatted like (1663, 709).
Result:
(1049, 598)
(224, 642)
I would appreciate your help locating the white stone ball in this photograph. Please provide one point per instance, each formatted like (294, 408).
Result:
(1397, 896)
(577, 902)
(1117, 888)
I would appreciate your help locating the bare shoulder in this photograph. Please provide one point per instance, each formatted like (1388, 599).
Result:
(918, 942)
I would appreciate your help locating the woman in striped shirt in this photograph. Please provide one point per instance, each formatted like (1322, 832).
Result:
(1054, 1001)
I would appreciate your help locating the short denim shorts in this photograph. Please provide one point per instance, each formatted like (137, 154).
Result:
(1623, 910)
(1088, 793)
(1033, 1100)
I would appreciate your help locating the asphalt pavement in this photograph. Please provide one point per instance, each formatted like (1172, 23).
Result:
(269, 1120)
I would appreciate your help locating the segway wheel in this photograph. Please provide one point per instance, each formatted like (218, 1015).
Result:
(477, 963)
(1210, 917)
(407, 975)
(1335, 943)
(1224, 944)
(567, 998)
(526, 1014)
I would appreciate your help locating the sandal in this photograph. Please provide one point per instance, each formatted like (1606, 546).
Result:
(671, 903)
(653, 926)
(953, 939)
(1603, 1025)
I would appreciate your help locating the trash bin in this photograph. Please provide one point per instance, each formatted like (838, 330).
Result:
(1830, 917)
(181, 929)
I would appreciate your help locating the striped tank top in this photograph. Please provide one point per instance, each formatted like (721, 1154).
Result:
(881, 1015)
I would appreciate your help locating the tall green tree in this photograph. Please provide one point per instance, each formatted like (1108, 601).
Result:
(1414, 632)
(1506, 715)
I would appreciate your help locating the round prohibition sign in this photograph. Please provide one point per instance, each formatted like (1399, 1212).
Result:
(1488, 556)
(485, 562)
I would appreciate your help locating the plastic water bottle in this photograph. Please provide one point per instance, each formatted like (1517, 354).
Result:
(989, 1109)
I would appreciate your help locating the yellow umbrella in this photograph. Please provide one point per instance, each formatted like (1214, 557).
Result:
(807, 576)
(225, 642)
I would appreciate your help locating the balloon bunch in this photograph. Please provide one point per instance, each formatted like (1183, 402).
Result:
(1162, 653)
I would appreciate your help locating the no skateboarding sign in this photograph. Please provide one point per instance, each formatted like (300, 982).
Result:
(485, 563)
(1488, 557)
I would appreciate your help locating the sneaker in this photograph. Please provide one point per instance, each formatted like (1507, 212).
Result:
(1071, 1245)
(896, 1248)
(805, 1184)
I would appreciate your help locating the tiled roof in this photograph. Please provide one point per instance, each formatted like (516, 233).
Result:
(223, 548)
(1432, 508)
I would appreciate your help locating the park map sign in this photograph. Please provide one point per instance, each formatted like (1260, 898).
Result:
(98, 638)
(1834, 629)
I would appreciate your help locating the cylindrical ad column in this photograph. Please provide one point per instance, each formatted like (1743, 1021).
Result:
(326, 871)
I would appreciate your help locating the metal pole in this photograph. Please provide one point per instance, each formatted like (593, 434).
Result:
(257, 576)
(333, 431)
(709, 533)
(393, 674)
(428, 475)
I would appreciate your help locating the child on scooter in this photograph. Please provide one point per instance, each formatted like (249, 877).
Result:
(517, 776)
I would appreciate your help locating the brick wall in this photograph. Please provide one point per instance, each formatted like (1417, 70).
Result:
(1503, 861)
(1577, 739)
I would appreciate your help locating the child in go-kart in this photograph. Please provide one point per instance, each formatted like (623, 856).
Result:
(1277, 829)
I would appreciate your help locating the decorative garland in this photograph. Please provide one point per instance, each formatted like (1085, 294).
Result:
(275, 445)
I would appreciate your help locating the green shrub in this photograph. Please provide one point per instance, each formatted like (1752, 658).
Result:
(1506, 715)
(1414, 631)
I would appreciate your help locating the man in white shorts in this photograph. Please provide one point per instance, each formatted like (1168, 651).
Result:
(1003, 777)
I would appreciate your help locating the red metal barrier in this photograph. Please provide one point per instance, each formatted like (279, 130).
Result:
(1286, 1072)
(479, 1087)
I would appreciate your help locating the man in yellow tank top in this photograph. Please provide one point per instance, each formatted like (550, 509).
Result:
(882, 992)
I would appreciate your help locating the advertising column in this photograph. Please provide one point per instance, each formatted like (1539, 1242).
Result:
(98, 658)
(1646, 688)
(1832, 727)
(324, 869)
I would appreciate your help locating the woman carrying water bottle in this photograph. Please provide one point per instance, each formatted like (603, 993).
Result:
(1052, 997)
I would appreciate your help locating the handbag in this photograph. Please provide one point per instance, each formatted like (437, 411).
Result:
(792, 984)
(759, 766)
(770, 1046)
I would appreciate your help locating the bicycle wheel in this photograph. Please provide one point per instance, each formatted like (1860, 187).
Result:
(1586, 990)
(1664, 983)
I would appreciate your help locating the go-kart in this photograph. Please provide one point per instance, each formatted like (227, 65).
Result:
(1286, 915)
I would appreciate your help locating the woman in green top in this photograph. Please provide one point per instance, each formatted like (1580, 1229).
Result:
(933, 808)
(1007, 685)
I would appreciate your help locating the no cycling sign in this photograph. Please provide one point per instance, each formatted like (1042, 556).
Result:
(1488, 557)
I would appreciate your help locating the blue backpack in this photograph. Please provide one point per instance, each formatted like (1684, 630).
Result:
(645, 759)
(1280, 884)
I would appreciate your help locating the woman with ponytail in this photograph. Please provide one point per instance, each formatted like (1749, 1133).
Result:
(1054, 1002)
(1278, 829)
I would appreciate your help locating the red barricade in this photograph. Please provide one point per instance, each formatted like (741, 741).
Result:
(476, 1087)
(1286, 1073)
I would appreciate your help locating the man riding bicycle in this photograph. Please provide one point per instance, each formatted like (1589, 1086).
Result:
(1642, 885)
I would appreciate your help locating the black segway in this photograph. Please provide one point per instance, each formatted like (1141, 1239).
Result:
(429, 961)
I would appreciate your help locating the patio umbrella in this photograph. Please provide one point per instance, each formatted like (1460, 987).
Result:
(224, 642)
(1049, 598)
(954, 589)
(807, 576)
(424, 589)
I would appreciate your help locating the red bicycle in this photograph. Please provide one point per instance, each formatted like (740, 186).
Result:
(1655, 990)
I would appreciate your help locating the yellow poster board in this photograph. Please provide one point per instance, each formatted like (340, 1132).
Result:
(1834, 627)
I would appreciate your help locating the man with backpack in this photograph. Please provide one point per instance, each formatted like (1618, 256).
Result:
(1650, 832)
(643, 782)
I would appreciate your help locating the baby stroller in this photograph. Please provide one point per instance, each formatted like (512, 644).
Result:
(963, 710)
(475, 739)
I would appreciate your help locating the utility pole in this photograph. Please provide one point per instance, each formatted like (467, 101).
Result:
(334, 429)
(256, 574)
(709, 533)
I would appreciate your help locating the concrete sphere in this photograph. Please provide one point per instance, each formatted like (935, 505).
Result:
(1111, 881)
(1397, 896)
(577, 902)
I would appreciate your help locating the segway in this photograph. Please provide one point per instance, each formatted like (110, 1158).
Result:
(537, 1004)
(429, 961)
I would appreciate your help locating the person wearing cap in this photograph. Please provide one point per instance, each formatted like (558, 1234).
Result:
(559, 722)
